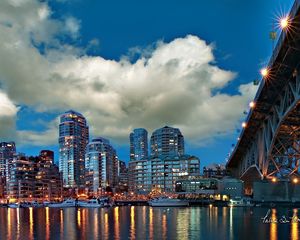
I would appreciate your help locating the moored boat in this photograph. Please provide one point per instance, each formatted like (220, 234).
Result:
(240, 202)
(14, 205)
(91, 203)
(67, 203)
(168, 202)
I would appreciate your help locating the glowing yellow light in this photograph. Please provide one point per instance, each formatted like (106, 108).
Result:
(264, 72)
(284, 22)
(274, 179)
(252, 104)
(295, 180)
(244, 124)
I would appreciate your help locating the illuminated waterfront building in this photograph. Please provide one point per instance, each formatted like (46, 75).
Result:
(73, 138)
(161, 173)
(167, 142)
(138, 144)
(21, 177)
(7, 152)
(139, 176)
(165, 171)
(48, 179)
(101, 166)
(34, 177)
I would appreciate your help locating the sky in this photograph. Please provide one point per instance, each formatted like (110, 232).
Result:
(130, 64)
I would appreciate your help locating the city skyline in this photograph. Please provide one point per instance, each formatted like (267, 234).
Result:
(77, 66)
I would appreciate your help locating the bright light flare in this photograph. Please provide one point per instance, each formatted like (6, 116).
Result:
(244, 124)
(274, 179)
(264, 72)
(284, 22)
(295, 180)
(252, 104)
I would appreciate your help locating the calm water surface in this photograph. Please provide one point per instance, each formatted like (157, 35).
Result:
(141, 222)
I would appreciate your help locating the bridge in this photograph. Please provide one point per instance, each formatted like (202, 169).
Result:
(269, 144)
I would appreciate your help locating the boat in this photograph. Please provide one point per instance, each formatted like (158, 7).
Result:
(31, 204)
(91, 203)
(67, 203)
(240, 202)
(14, 205)
(168, 202)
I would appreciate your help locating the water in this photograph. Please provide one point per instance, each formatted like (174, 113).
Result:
(142, 222)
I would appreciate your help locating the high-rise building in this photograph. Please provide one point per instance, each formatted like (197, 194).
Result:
(122, 176)
(167, 142)
(7, 152)
(138, 144)
(101, 166)
(73, 138)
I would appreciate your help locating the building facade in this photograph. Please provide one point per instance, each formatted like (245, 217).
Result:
(167, 142)
(48, 179)
(138, 144)
(162, 173)
(139, 176)
(122, 177)
(101, 166)
(215, 171)
(73, 138)
(7, 153)
(34, 178)
(165, 171)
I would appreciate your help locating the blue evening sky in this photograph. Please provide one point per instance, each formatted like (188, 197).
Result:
(239, 30)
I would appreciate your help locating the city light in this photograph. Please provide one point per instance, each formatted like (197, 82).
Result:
(252, 104)
(284, 22)
(274, 179)
(264, 72)
(244, 124)
(295, 180)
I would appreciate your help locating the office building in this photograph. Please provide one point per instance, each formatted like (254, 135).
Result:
(167, 142)
(138, 144)
(73, 138)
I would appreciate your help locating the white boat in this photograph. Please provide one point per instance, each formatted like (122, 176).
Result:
(31, 204)
(168, 202)
(64, 204)
(240, 202)
(14, 205)
(92, 203)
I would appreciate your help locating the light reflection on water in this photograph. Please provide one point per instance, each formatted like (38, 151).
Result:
(146, 223)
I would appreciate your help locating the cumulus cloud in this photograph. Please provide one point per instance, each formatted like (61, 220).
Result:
(8, 112)
(176, 83)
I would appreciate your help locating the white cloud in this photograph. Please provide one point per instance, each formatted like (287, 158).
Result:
(8, 112)
(173, 83)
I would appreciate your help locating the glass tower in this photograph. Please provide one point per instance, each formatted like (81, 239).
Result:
(7, 153)
(167, 141)
(101, 164)
(138, 144)
(73, 138)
